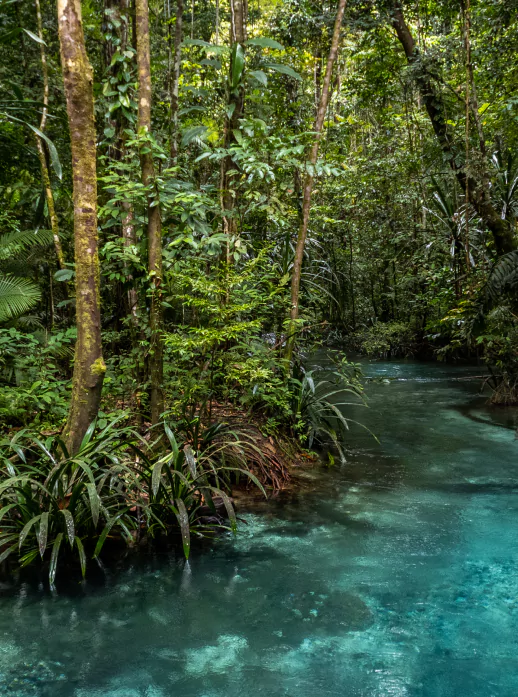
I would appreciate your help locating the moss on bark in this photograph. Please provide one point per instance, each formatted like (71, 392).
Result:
(89, 366)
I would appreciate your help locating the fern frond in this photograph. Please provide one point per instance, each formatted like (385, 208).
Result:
(17, 296)
(29, 322)
(13, 242)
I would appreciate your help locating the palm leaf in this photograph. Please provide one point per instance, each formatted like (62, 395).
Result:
(10, 242)
(17, 296)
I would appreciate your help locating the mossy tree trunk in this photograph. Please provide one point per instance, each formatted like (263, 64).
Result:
(154, 224)
(308, 182)
(476, 187)
(53, 218)
(89, 367)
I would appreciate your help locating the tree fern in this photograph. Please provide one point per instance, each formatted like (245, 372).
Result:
(17, 296)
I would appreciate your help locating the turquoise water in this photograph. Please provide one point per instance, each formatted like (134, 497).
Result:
(394, 576)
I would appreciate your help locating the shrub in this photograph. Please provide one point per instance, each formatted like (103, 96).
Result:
(385, 340)
(54, 505)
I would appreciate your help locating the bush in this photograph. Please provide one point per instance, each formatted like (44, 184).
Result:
(33, 376)
(316, 401)
(385, 340)
(117, 487)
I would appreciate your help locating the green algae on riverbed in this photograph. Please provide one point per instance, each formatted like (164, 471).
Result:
(395, 575)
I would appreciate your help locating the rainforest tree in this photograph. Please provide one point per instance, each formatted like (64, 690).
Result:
(89, 366)
(258, 178)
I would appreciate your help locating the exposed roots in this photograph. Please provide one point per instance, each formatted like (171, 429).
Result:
(505, 390)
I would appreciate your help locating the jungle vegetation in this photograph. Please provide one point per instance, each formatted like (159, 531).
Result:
(195, 196)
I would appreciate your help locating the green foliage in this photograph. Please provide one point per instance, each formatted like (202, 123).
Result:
(33, 386)
(389, 340)
(118, 487)
(396, 261)
(318, 401)
(17, 297)
(221, 354)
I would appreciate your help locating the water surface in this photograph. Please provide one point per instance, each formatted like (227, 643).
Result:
(393, 576)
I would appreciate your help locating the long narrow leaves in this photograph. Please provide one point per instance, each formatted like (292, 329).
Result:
(114, 489)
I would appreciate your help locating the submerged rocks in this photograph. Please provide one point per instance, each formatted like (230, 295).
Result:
(31, 679)
(218, 658)
(325, 614)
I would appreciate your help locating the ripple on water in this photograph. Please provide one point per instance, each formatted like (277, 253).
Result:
(396, 576)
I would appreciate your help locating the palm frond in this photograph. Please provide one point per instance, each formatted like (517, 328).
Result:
(13, 242)
(503, 276)
(17, 296)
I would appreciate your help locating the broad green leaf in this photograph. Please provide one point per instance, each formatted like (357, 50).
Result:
(183, 520)
(238, 64)
(34, 37)
(260, 76)
(54, 558)
(284, 69)
(64, 275)
(43, 533)
(69, 522)
(82, 556)
(95, 502)
(26, 529)
(191, 460)
(171, 437)
(155, 476)
(29, 557)
(229, 508)
(54, 157)
(6, 509)
(265, 42)
(88, 435)
(7, 552)
(106, 531)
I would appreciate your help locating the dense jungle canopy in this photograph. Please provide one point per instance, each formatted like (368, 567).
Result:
(194, 195)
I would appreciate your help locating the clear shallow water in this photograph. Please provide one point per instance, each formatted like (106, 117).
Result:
(394, 576)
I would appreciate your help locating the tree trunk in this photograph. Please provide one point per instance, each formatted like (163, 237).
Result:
(154, 223)
(45, 175)
(478, 190)
(308, 182)
(89, 367)
(175, 80)
(235, 108)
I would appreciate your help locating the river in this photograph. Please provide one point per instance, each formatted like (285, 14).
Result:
(395, 575)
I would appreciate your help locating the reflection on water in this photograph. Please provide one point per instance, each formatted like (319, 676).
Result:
(395, 576)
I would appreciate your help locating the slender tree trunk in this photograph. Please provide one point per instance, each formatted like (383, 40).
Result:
(45, 175)
(477, 189)
(235, 108)
(154, 224)
(471, 87)
(175, 80)
(129, 240)
(89, 367)
(308, 182)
